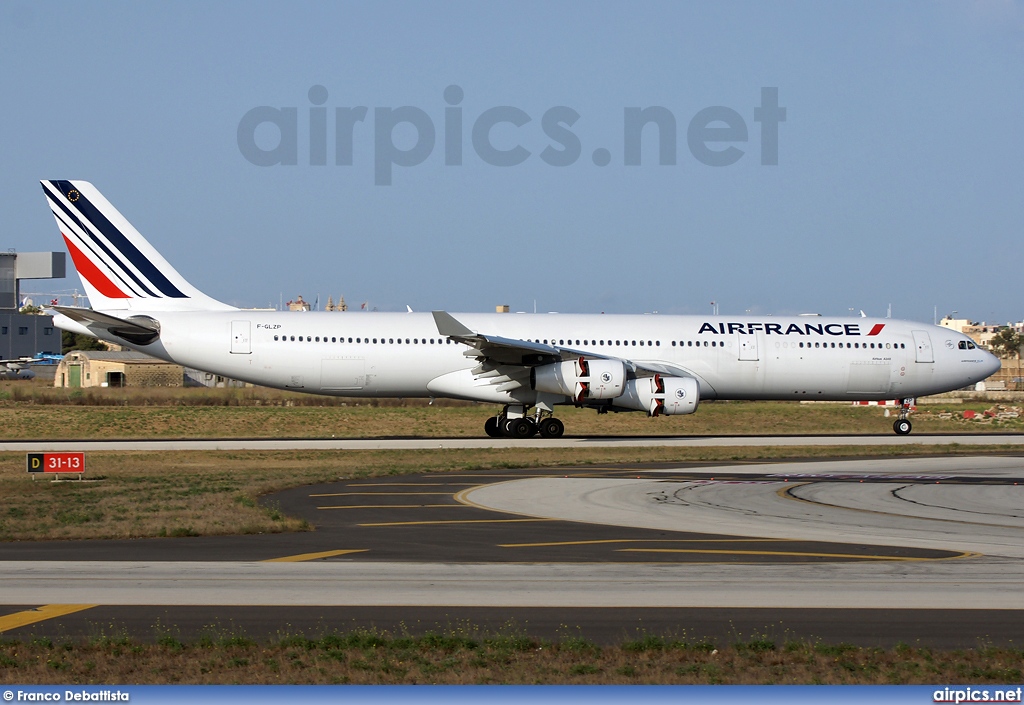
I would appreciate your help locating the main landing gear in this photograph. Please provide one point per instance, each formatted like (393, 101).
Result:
(514, 423)
(902, 425)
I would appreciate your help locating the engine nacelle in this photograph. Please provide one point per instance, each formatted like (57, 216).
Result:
(581, 379)
(661, 395)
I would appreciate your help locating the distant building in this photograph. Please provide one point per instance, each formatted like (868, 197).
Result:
(957, 324)
(298, 305)
(24, 335)
(126, 368)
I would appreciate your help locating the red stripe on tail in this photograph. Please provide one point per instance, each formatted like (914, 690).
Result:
(92, 273)
(876, 329)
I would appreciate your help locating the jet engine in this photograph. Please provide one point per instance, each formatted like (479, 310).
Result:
(581, 379)
(661, 395)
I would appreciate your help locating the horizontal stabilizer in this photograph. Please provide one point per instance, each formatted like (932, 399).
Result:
(140, 330)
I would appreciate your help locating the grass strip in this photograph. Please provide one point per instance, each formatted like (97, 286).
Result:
(37, 412)
(509, 656)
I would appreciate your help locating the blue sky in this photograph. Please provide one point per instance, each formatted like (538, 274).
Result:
(898, 177)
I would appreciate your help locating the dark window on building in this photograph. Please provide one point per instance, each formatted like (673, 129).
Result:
(22, 330)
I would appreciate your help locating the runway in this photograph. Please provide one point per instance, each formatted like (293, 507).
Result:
(476, 443)
(824, 544)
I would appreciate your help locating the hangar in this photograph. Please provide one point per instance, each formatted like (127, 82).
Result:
(125, 368)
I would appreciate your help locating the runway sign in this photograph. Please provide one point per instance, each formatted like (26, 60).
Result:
(73, 463)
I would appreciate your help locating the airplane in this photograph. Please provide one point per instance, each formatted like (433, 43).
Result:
(15, 369)
(529, 364)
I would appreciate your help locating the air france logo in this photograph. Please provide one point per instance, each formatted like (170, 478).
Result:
(790, 329)
(680, 393)
(606, 377)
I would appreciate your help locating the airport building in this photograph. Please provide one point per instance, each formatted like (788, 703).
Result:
(123, 368)
(24, 335)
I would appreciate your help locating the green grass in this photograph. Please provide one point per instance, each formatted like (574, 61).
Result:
(468, 655)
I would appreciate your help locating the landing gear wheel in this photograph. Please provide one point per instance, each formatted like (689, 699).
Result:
(491, 427)
(901, 427)
(520, 428)
(552, 428)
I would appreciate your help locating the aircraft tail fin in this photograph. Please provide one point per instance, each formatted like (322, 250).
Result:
(119, 269)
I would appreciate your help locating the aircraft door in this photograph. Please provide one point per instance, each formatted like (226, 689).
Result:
(747, 346)
(923, 343)
(240, 342)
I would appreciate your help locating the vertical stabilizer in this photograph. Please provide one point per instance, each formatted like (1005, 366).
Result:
(118, 267)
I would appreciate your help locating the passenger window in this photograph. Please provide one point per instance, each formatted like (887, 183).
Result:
(275, 337)
(391, 341)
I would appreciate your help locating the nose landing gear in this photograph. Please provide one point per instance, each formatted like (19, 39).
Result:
(902, 425)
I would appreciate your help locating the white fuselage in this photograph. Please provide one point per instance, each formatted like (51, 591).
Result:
(732, 357)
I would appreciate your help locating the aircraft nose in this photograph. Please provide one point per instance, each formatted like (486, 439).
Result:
(992, 364)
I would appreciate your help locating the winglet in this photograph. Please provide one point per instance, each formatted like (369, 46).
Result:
(448, 326)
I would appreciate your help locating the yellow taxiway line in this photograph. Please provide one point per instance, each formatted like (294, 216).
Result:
(457, 521)
(799, 554)
(381, 494)
(39, 614)
(393, 506)
(600, 541)
(314, 556)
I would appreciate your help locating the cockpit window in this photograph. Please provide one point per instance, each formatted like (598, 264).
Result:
(966, 345)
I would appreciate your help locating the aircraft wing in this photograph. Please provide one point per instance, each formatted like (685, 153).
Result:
(514, 352)
(135, 329)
